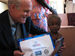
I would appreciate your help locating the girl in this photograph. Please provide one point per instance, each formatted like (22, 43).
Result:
(54, 23)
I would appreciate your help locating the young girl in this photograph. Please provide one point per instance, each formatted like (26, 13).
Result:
(54, 23)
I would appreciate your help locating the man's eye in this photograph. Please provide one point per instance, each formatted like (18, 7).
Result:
(23, 17)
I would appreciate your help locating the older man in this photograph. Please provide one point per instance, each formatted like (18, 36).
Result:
(15, 23)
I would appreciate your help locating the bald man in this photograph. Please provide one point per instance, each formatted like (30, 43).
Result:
(15, 23)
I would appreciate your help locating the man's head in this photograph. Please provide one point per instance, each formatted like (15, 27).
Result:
(19, 9)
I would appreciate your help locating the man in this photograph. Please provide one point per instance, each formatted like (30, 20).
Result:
(15, 23)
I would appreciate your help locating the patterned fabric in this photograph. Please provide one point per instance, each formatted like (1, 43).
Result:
(38, 15)
(47, 1)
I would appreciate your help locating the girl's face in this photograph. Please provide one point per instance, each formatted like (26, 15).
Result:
(54, 25)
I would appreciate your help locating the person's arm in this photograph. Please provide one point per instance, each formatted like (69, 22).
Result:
(62, 48)
(36, 30)
(10, 53)
(44, 4)
(32, 28)
(56, 49)
(58, 46)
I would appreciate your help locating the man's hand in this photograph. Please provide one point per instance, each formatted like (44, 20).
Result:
(62, 48)
(18, 53)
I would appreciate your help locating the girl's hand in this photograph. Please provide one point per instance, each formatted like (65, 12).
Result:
(62, 48)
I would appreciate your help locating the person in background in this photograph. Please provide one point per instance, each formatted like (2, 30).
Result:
(15, 23)
(39, 13)
(54, 23)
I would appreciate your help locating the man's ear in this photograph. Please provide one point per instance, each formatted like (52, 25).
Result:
(13, 7)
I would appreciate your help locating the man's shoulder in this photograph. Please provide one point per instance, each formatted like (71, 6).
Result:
(3, 13)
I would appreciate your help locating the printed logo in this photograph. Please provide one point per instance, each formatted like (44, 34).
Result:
(36, 44)
(38, 53)
(46, 51)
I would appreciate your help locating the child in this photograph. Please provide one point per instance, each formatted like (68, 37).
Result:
(54, 23)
